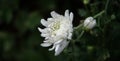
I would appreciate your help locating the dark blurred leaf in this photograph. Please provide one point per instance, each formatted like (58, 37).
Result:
(32, 20)
(82, 12)
(8, 40)
(30, 55)
(8, 16)
(19, 23)
(9, 4)
(34, 39)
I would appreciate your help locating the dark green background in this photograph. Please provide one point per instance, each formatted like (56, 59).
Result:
(20, 39)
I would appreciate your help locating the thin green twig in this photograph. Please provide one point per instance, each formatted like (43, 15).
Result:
(78, 26)
(80, 35)
(73, 50)
(106, 6)
(100, 13)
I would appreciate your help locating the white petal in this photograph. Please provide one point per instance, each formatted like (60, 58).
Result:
(46, 38)
(57, 37)
(52, 48)
(54, 14)
(46, 41)
(50, 20)
(71, 16)
(44, 35)
(67, 13)
(44, 22)
(59, 48)
(58, 41)
(70, 35)
(43, 30)
(40, 29)
(46, 44)
(64, 44)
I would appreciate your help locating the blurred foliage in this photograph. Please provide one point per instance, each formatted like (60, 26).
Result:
(20, 39)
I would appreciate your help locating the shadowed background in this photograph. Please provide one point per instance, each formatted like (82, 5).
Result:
(20, 39)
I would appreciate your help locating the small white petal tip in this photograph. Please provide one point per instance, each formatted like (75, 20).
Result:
(45, 44)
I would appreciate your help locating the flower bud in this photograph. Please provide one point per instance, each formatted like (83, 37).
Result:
(89, 23)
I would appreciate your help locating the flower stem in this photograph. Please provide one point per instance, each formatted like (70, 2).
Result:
(80, 35)
(106, 6)
(77, 26)
(99, 14)
(73, 50)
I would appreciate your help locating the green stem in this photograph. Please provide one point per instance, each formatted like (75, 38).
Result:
(104, 11)
(106, 6)
(73, 50)
(99, 14)
(77, 26)
(80, 35)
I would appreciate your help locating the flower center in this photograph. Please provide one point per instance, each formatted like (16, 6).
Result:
(55, 26)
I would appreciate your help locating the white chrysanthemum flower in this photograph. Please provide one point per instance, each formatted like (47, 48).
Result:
(58, 31)
(89, 23)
